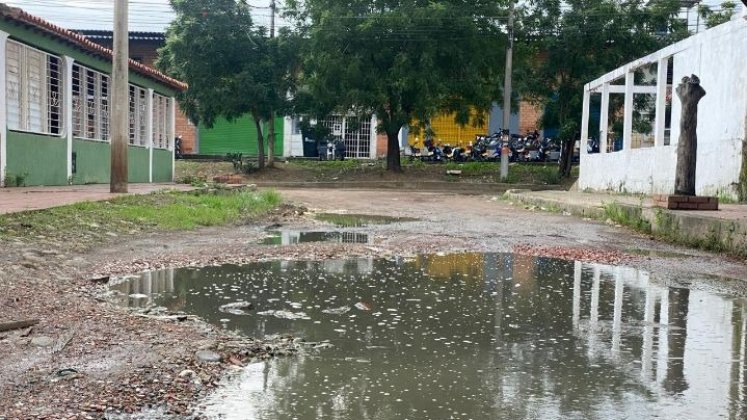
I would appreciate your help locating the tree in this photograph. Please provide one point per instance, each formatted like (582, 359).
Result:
(231, 66)
(717, 17)
(577, 41)
(402, 60)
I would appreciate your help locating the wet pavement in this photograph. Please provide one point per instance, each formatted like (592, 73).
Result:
(468, 335)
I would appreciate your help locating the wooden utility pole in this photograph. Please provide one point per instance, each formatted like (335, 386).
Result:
(507, 93)
(119, 101)
(690, 93)
(271, 126)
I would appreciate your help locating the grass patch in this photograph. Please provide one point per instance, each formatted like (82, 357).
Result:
(87, 223)
(627, 216)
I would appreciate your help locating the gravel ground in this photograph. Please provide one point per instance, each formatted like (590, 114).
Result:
(87, 358)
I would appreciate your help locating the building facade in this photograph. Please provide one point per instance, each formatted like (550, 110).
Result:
(55, 104)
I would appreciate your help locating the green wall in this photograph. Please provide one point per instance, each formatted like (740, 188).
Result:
(40, 159)
(162, 161)
(239, 136)
(92, 162)
(137, 164)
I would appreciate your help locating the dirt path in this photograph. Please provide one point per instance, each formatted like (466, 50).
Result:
(124, 362)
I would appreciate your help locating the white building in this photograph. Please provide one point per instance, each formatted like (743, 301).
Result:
(646, 161)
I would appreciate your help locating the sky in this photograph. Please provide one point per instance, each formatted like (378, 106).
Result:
(144, 15)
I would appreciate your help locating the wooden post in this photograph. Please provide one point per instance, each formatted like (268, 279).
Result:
(690, 93)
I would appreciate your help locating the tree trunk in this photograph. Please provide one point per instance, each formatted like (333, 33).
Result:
(566, 158)
(260, 143)
(392, 150)
(690, 93)
(271, 141)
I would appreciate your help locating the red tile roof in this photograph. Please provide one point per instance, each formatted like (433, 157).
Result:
(17, 15)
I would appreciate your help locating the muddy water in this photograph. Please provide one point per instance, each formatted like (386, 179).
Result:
(469, 336)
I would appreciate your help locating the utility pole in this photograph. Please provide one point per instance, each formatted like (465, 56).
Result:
(120, 100)
(507, 93)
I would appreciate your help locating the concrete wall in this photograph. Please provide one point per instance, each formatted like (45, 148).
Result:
(38, 159)
(719, 58)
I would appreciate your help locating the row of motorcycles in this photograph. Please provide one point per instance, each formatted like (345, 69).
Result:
(528, 148)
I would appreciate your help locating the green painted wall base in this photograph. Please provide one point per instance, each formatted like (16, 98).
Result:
(35, 160)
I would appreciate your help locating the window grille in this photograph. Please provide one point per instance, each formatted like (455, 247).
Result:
(91, 113)
(138, 116)
(34, 90)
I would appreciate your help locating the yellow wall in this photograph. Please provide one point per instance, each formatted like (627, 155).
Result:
(449, 132)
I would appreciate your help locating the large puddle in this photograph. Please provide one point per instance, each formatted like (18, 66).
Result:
(468, 336)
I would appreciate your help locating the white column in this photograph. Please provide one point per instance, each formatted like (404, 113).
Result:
(172, 140)
(663, 355)
(628, 121)
(67, 109)
(661, 102)
(149, 132)
(373, 144)
(604, 118)
(585, 122)
(288, 137)
(3, 109)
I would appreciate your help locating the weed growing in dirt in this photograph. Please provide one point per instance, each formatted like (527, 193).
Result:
(91, 222)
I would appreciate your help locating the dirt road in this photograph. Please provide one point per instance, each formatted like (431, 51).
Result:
(124, 362)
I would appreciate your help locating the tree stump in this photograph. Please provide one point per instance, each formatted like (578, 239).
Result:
(690, 93)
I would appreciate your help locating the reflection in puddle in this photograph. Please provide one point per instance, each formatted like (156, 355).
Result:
(471, 336)
(291, 237)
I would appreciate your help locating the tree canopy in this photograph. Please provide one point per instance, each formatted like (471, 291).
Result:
(577, 41)
(232, 66)
(714, 17)
(403, 60)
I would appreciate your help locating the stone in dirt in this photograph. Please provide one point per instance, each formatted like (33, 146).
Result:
(207, 356)
(42, 341)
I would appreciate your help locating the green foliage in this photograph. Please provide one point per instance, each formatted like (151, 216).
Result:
(581, 40)
(16, 180)
(717, 17)
(232, 67)
(627, 216)
(401, 60)
(92, 222)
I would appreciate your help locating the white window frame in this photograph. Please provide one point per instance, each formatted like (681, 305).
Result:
(91, 111)
(162, 130)
(137, 117)
(34, 90)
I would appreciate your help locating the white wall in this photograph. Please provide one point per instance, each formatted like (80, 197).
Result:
(719, 58)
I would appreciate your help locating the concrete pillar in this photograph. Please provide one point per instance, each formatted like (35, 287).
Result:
(604, 118)
(3, 108)
(661, 102)
(662, 360)
(372, 143)
(67, 109)
(149, 132)
(585, 122)
(628, 111)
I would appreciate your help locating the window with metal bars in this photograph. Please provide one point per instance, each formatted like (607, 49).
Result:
(163, 136)
(138, 120)
(34, 90)
(91, 113)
